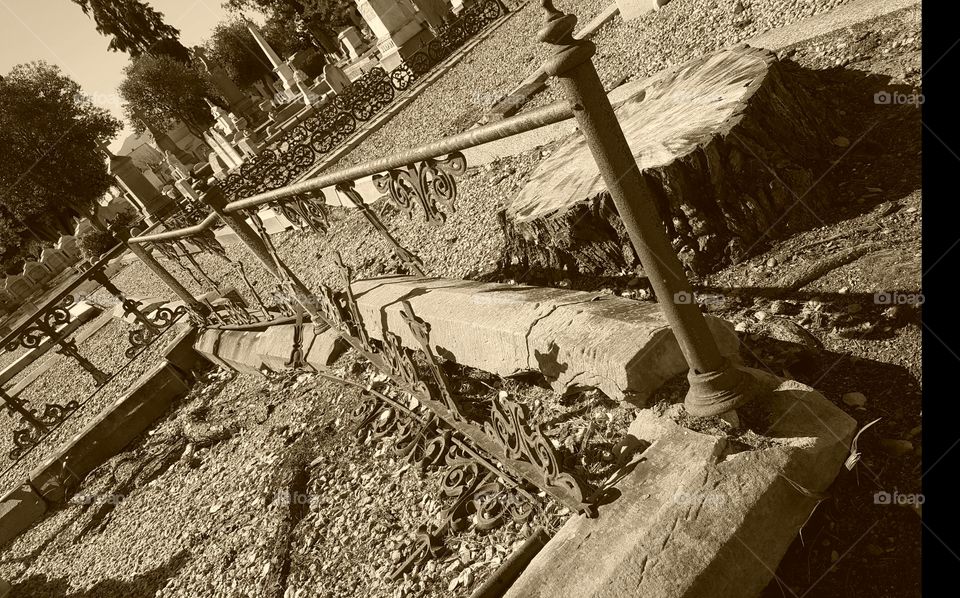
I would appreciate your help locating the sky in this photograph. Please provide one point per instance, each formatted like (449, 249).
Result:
(58, 32)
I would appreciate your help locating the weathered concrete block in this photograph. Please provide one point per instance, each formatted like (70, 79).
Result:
(624, 348)
(237, 350)
(19, 509)
(275, 346)
(111, 431)
(575, 339)
(696, 518)
(326, 348)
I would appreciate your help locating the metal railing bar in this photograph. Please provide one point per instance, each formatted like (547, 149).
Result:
(514, 125)
(178, 233)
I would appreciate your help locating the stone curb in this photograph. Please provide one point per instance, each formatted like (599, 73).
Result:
(110, 432)
(695, 517)
(252, 351)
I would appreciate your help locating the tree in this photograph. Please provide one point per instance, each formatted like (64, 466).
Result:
(162, 91)
(50, 132)
(135, 28)
(328, 15)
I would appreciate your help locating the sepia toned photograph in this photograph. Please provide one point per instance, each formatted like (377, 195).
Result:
(467, 299)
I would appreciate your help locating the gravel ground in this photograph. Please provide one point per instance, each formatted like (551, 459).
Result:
(680, 31)
(489, 72)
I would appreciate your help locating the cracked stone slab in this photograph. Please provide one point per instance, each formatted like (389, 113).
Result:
(696, 517)
(320, 349)
(574, 338)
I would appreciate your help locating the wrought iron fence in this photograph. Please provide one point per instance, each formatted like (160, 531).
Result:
(54, 325)
(502, 440)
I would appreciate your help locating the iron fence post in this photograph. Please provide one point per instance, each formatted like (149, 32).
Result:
(248, 236)
(716, 385)
(157, 268)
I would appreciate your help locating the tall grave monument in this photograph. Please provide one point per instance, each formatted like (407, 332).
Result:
(293, 79)
(399, 29)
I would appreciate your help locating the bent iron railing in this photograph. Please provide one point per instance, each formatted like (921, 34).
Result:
(50, 324)
(425, 177)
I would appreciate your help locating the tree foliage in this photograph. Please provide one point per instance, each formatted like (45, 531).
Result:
(329, 15)
(134, 27)
(52, 167)
(232, 45)
(162, 91)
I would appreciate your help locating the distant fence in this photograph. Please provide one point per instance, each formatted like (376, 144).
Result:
(299, 149)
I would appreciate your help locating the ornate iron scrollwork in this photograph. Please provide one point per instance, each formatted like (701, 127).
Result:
(507, 436)
(36, 426)
(431, 183)
(151, 325)
(46, 327)
(411, 260)
(305, 213)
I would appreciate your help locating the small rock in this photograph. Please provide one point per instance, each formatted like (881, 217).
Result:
(854, 308)
(844, 290)
(772, 262)
(841, 141)
(780, 307)
(761, 316)
(740, 327)
(854, 399)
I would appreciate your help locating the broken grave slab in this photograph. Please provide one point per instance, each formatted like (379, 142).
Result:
(697, 517)
(575, 339)
(274, 346)
(237, 350)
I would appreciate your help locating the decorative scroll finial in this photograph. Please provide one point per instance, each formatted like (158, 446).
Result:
(557, 26)
(557, 31)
